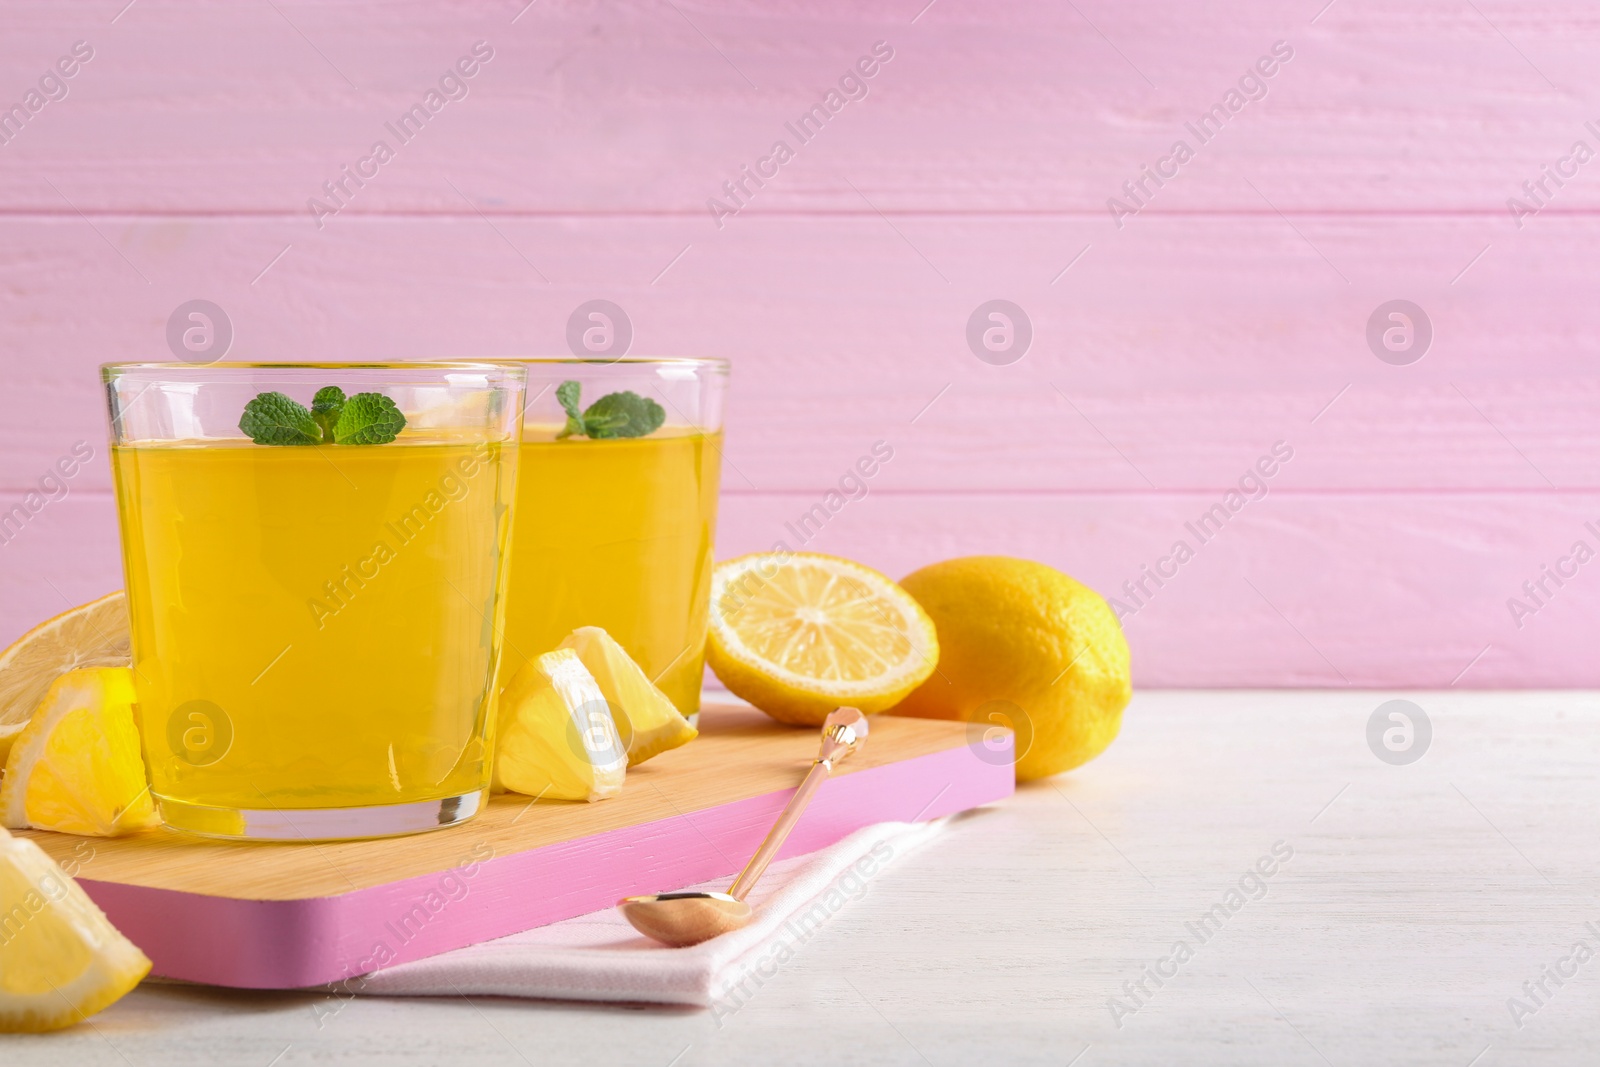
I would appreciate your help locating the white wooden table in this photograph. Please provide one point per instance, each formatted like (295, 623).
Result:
(1417, 900)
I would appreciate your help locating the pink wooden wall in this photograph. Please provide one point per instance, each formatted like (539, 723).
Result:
(1169, 353)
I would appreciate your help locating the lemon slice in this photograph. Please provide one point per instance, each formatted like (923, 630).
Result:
(798, 634)
(90, 635)
(60, 959)
(555, 736)
(647, 721)
(76, 766)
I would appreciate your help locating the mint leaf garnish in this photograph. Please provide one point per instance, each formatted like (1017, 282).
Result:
(363, 419)
(368, 419)
(567, 394)
(275, 419)
(325, 408)
(621, 414)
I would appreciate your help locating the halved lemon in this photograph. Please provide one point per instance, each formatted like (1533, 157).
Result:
(555, 737)
(648, 722)
(76, 767)
(61, 960)
(90, 635)
(798, 634)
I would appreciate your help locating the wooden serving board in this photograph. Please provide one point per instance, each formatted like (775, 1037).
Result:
(282, 916)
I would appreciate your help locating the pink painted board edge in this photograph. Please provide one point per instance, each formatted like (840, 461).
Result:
(290, 944)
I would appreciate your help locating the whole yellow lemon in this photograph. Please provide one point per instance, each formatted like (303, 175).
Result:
(1022, 645)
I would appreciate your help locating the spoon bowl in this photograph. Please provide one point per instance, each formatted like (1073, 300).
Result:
(681, 919)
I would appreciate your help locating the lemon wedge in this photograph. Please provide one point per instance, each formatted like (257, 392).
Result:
(647, 721)
(90, 635)
(61, 960)
(798, 634)
(76, 767)
(556, 739)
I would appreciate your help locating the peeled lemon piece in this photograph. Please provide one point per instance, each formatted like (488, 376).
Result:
(555, 736)
(76, 767)
(90, 635)
(648, 722)
(60, 959)
(798, 634)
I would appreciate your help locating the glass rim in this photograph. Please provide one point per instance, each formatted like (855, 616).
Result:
(108, 370)
(715, 364)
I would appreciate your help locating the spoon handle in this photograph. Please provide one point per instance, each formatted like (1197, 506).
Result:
(780, 830)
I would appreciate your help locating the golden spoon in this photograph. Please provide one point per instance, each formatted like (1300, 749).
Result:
(681, 919)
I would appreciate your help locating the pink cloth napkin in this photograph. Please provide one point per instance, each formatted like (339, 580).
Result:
(601, 957)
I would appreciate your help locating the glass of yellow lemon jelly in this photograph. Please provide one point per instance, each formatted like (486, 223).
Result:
(617, 511)
(316, 559)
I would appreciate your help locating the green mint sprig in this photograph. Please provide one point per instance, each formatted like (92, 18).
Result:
(274, 419)
(325, 409)
(623, 414)
(333, 419)
(368, 419)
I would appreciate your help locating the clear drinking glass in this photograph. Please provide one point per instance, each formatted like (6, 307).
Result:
(315, 625)
(618, 531)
